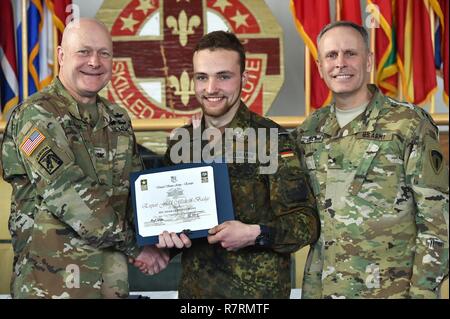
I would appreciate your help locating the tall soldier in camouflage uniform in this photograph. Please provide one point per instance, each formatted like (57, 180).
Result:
(67, 154)
(275, 215)
(380, 180)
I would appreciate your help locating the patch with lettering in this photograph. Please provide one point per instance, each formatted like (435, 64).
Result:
(374, 136)
(32, 141)
(49, 160)
(436, 160)
(311, 139)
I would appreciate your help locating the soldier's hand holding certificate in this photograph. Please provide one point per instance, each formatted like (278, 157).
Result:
(186, 197)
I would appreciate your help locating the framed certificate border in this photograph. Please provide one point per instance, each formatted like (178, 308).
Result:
(224, 202)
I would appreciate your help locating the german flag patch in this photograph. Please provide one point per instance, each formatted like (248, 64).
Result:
(286, 153)
(32, 141)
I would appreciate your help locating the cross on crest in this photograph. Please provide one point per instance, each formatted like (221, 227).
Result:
(153, 42)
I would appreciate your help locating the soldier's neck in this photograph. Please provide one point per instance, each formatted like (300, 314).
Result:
(221, 121)
(352, 100)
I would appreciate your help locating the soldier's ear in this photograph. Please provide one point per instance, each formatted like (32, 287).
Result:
(319, 68)
(369, 62)
(244, 78)
(60, 55)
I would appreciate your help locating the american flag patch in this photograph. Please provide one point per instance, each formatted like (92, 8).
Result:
(32, 141)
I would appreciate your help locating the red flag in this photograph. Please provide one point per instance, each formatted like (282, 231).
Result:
(441, 8)
(58, 9)
(349, 10)
(415, 51)
(310, 17)
(385, 47)
(9, 88)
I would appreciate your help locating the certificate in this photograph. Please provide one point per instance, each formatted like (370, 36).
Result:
(188, 198)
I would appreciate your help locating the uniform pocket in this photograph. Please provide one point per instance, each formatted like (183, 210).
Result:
(311, 166)
(247, 190)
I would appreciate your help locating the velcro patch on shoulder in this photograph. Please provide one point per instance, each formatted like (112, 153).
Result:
(311, 139)
(436, 160)
(49, 160)
(32, 141)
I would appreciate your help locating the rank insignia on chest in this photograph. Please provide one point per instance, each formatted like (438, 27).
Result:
(99, 152)
(312, 139)
(32, 141)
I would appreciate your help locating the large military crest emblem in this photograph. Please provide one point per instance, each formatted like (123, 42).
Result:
(153, 42)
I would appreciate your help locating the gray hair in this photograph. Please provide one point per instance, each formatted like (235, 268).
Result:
(349, 24)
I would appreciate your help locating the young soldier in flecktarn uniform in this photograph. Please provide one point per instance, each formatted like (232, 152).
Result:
(275, 215)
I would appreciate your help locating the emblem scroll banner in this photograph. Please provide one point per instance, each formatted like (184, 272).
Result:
(153, 42)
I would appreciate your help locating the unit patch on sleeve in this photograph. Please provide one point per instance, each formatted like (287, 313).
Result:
(49, 160)
(436, 160)
(32, 141)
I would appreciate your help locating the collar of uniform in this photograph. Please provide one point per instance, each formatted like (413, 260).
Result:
(374, 107)
(72, 105)
(331, 126)
(241, 118)
(104, 118)
(365, 122)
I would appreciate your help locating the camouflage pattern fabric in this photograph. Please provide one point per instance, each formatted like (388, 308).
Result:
(282, 201)
(382, 192)
(70, 216)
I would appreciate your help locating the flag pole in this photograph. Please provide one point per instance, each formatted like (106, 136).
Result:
(372, 50)
(338, 10)
(433, 96)
(307, 81)
(24, 50)
(55, 51)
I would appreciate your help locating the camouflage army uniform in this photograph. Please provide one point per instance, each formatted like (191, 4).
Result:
(381, 185)
(69, 210)
(282, 200)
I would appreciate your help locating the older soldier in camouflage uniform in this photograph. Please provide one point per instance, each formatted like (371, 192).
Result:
(275, 215)
(67, 154)
(380, 180)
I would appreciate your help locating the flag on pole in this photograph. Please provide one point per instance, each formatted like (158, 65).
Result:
(441, 46)
(349, 10)
(35, 23)
(385, 47)
(45, 23)
(59, 12)
(310, 17)
(415, 54)
(445, 46)
(9, 88)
